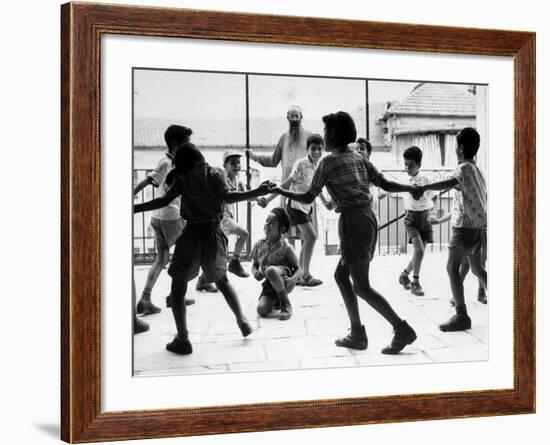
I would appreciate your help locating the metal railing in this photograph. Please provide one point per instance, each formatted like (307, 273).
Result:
(392, 237)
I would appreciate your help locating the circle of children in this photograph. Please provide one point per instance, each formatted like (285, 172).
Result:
(195, 214)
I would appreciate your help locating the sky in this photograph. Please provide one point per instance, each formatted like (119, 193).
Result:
(181, 94)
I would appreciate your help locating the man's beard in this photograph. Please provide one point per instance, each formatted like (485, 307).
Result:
(294, 131)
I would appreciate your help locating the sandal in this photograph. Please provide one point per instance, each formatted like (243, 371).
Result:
(311, 282)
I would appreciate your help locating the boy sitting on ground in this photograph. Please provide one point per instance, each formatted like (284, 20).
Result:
(274, 259)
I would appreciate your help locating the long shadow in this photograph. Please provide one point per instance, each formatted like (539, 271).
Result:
(49, 429)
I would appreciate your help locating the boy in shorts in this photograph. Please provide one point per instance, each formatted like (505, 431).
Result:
(299, 213)
(347, 177)
(417, 220)
(469, 222)
(232, 166)
(204, 191)
(274, 259)
(166, 221)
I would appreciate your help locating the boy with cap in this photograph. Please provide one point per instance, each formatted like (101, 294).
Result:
(232, 166)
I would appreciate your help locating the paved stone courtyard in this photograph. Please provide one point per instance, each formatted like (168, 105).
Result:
(307, 339)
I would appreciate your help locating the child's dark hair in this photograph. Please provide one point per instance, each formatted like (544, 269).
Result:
(343, 125)
(282, 218)
(314, 139)
(367, 144)
(469, 139)
(186, 156)
(413, 153)
(176, 135)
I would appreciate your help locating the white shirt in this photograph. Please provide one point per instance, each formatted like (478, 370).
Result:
(423, 203)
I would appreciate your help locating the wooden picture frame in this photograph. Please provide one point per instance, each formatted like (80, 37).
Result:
(82, 26)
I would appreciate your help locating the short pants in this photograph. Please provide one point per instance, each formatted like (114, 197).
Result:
(471, 240)
(358, 231)
(417, 224)
(200, 245)
(167, 231)
(229, 225)
(298, 216)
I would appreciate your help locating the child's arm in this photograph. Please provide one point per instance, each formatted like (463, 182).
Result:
(158, 203)
(264, 188)
(392, 186)
(446, 184)
(256, 272)
(306, 197)
(263, 202)
(144, 183)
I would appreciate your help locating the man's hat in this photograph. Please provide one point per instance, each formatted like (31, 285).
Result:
(230, 153)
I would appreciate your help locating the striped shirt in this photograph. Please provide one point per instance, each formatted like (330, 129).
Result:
(347, 177)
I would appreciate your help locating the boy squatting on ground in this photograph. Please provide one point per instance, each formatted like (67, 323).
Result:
(204, 191)
(469, 222)
(346, 176)
(273, 258)
(299, 213)
(166, 222)
(418, 220)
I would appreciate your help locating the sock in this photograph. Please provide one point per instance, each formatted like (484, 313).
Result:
(236, 257)
(405, 272)
(461, 310)
(416, 277)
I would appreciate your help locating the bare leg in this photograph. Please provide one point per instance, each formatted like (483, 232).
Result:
(242, 236)
(179, 310)
(228, 291)
(360, 275)
(478, 269)
(456, 255)
(342, 278)
(309, 237)
(156, 268)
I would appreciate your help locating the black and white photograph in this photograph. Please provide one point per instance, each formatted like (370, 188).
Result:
(287, 222)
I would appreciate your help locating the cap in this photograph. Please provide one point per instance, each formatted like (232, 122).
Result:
(230, 153)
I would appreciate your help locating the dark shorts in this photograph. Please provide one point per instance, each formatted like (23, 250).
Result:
(358, 230)
(166, 231)
(298, 217)
(200, 246)
(417, 224)
(471, 240)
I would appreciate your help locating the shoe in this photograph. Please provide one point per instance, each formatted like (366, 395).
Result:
(403, 335)
(482, 297)
(245, 327)
(458, 322)
(188, 301)
(404, 280)
(179, 346)
(203, 286)
(140, 326)
(146, 307)
(286, 311)
(235, 267)
(416, 289)
(311, 282)
(356, 339)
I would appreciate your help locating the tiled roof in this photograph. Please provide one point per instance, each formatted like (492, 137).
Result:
(436, 99)
(232, 132)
